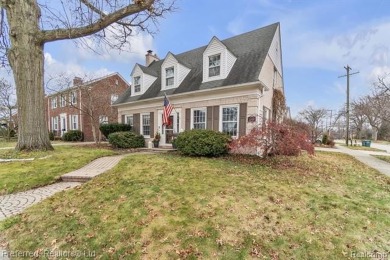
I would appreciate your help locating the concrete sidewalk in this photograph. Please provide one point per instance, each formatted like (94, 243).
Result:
(364, 157)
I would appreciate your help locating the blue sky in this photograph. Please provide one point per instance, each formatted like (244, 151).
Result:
(319, 38)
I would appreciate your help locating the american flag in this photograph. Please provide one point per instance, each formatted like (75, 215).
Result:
(167, 111)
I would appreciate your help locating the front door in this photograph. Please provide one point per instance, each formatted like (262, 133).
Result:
(63, 124)
(170, 130)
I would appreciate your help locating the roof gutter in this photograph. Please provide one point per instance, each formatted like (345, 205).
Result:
(250, 84)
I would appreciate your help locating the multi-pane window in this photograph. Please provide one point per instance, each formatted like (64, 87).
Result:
(137, 84)
(54, 102)
(170, 76)
(214, 65)
(63, 101)
(114, 98)
(146, 124)
(199, 118)
(230, 120)
(74, 124)
(55, 122)
(103, 119)
(73, 98)
(129, 121)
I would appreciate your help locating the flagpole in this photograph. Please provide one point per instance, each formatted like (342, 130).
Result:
(174, 108)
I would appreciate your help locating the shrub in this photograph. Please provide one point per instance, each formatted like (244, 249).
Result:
(273, 139)
(108, 129)
(126, 140)
(51, 136)
(325, 139)
(73, 136)
(199, 142)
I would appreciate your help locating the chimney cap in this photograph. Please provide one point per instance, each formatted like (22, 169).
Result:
(149, 51)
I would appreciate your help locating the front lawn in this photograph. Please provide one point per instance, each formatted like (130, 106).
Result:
(383, 157)
(169, 207)
(45, 169)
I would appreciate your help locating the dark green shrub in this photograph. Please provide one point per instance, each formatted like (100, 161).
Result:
(325, 139)
(73, 136)
(126, 140)
(51, 136)
(107, 129)
(199, 142)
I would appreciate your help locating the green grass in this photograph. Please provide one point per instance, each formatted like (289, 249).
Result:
(363, 148)
(25, 175)
(383, 157)
(4, 143)
(170, 207)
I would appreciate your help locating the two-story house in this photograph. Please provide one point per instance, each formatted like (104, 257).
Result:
(226, 86)
(85, 105)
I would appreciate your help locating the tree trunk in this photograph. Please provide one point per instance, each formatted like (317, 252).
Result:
(26, 59)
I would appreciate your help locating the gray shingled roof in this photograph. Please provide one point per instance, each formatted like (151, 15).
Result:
(250, 48)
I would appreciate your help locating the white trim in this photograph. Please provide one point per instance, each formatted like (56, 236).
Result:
(221, 107)
(250, 84)
(142, 124)
(192, 116)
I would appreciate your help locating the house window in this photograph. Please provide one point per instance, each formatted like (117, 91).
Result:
(230, 120)
(137, 84)
(74, 124)
(199, 119)
(145, 125)
(214, 65)
(63, 101)
(54, 102)
(73, 98)
(169, 76)
(55, 122)
(129, 121)
(103, 120)
(266, 114)
(114, 98)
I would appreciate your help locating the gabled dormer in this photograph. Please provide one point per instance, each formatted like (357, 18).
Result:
(217, 61)
(172, 72)
(141, 80)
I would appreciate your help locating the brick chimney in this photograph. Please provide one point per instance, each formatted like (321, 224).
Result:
(150, 57)
(77, 81)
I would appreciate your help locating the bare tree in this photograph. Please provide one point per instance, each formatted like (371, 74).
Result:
(27, 25)
(382, 86)
(7, 105)
(358, 117)
(376, 109)
(313, 117)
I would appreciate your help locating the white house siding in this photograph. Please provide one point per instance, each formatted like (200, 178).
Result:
(147, 82)
(169, 61)
(182, 73)
(248, 94)
(227, 59)
(275, 51)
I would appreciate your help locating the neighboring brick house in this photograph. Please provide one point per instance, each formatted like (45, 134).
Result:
(226, 86)
(84, 105)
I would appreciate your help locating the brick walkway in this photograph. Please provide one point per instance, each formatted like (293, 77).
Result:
(13, 204)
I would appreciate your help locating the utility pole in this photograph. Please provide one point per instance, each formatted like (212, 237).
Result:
(348, 68)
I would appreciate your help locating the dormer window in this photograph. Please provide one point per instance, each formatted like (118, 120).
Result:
(214, 65)
(169, 76)
(137, 84)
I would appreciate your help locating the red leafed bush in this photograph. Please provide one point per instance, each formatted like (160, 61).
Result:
(273, 139)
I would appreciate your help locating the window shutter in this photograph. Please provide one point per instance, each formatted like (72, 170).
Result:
(188, 119)
(209, 122)
(136, 123)
(123, 119)
(151, 124)
(242, 130)
(216, 118)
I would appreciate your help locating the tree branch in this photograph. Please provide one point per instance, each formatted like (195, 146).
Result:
(103, 22)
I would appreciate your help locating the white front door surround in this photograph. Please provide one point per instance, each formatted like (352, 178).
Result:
(63, 124)
(167, 132)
